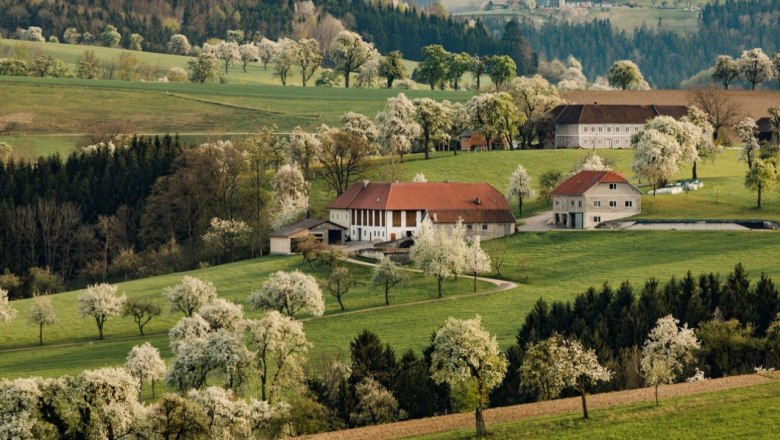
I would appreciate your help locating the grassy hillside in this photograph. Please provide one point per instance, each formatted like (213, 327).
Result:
(554, 265)
(739, 413)
(70, 53)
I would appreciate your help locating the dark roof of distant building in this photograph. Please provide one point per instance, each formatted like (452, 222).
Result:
(764, 125)
(567, 114)
(473, 202)
(303, 225)
(581, 182)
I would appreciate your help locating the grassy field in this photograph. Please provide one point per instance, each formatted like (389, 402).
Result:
(554, 265)
(72, 106)
(740, 413)
(70, 53)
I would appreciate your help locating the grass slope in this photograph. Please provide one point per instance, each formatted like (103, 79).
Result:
(740, 413)
(68, 340)
(554, 265)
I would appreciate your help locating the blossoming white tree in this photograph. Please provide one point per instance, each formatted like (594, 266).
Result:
(279, 344)
(755, 66)
(291, 199)
(286, 58)
(594, 162)
(464, 354)
(419, 178)
(41, 313)
(228, 357)
(397, 126)
(439, 253)
(431, 116)
(360, 125)
(375, 404)
(225, 237)
(226, 51)
(101, 302)
(308, 58)
(477, 261)
(387, 275)
(179, 45)
(556, 363)
(304, 147)
(187, 330)
(519, 186)
(349, 53)
(666, 352)
(222, 314)
(656, 156)
(7, 313)
(267, 51)
(190, 295)
(145, 364)
(289, 293)
(226, 416)
(107, 400)
(248, 53)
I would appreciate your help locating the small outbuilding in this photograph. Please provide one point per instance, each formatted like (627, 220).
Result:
(284, 241)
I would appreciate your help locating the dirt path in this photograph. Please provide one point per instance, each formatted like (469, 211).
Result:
(452, 422)
(500, 286)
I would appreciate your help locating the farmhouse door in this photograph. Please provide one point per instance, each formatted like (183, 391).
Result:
(392, 236)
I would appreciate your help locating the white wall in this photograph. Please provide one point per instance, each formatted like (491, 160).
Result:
(595, 135)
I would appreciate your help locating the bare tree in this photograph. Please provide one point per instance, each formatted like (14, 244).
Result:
(722, 110)
(344, 157)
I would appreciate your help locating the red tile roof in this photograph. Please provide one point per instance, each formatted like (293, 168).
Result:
(472, 201)
(579, 183)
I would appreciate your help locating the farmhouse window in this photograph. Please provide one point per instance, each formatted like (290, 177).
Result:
(411, 219)
(597, 203)
(597, 219)
(469, 227)
(484, 227)
(579, 204)
(396, 219)
(613, 203)
(613, 186)
(382, 217)
(629, 203)
(359, 217)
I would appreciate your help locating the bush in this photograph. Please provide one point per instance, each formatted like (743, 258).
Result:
(54, 39)
(42, 280)
(405, 84)
(177, 74)
(328, 78)
(12, 67)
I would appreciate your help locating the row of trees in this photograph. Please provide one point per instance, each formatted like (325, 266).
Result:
(754, 66)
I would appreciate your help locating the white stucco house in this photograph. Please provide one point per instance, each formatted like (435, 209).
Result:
(589, 198)
(379, 212)
(605, 126)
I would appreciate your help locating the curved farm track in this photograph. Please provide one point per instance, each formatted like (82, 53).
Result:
(453, 422)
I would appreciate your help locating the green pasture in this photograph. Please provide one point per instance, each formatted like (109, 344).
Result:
(739, 413)
(553, 265)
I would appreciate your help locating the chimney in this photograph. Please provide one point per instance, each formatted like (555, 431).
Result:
(478, 201)
(365, 183)
(595, 103)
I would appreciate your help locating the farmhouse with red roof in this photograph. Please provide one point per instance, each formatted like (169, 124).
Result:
(391, 211)
(590, 197)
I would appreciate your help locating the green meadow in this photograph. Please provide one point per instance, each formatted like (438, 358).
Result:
(739, 413)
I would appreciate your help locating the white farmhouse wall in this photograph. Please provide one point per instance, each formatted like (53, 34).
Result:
(595, 135)
(599, 204)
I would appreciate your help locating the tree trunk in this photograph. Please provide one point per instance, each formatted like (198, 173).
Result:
(346, 78)
(475, 281)
(439, 280)
(759, 196)
(656, 395)
(338, 298)
(584, 404)
(694, 174)
(100, 329)
(387, 295)
(520, 204)
(478, 82)
(427, 140)
(480, 419)
(752, 86)
(40, 334)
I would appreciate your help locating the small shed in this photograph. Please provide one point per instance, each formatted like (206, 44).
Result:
(284, 241)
